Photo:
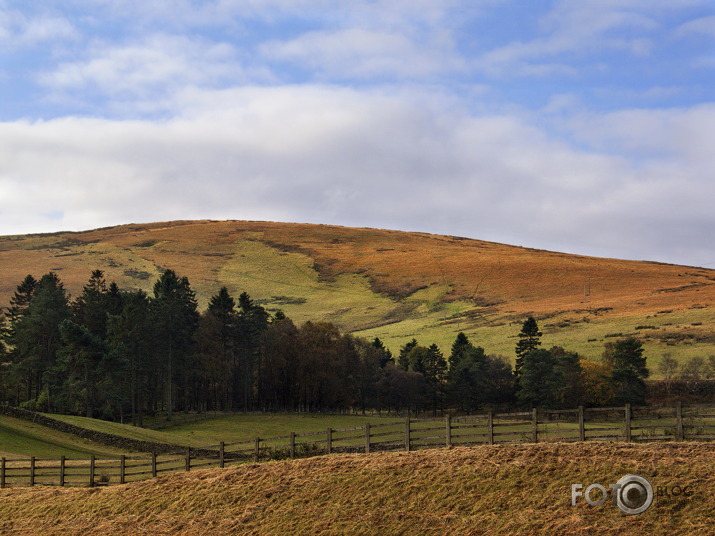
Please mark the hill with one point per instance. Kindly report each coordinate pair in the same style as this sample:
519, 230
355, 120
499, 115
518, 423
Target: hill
391, 284
20, 439
506, 489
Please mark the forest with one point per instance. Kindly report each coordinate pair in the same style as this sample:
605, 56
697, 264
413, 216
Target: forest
120, 355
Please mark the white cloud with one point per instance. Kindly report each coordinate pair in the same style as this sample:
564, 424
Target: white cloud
19, 30
364, 53
701, 26
151, 69
572, 31
333, 155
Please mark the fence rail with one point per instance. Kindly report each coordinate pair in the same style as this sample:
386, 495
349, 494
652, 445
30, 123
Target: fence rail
679, 423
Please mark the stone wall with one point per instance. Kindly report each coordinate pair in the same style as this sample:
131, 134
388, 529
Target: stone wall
103, 438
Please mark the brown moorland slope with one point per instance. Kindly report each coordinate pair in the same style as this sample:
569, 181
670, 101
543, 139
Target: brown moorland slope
385, 283
506, 489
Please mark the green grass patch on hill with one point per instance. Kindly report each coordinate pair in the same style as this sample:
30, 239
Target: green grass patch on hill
230, 428
22, 439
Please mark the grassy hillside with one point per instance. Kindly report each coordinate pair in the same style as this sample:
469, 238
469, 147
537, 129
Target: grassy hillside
230, 428
394, 285
504, 490
21, 439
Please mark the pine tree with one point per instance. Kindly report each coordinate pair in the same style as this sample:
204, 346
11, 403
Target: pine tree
529, 340
20, 301
460, 347
539, 381
567, 365
35, 336
131, 338
629, 372
94, 304
385, 354
174, 310
404, 358
81, 369
467, 383
251, 322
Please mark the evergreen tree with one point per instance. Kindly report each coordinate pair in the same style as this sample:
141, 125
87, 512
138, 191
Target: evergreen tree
80, 373
251, 322
539, 381
384, 353
277, 380
20, 301
175, 315
460, 347
629, 372
467, 382
404, 360
567, 366
35, 337
529, 340
430, 362
216, 349
96, 302
130, 335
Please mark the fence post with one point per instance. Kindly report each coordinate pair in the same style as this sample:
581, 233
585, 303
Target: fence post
257, 450
62, 470
679, 416
628, 422
32, 471
2, 472
490, 426
91, 471
221, 454
329, 440
581, 424
188, 458
448, 430
122, 469
367, 438
407, 434
534, 425
292, 445
153, 464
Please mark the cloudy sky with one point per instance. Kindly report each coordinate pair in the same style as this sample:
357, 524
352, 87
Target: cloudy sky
585, 126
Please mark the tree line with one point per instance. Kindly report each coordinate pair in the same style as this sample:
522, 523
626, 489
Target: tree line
120, 355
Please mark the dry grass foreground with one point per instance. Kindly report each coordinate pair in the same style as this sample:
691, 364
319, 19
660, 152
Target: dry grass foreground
524, 489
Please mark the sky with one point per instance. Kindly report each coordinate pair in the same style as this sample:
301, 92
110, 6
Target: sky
582, 126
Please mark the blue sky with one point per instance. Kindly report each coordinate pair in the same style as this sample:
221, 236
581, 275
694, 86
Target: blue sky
583, 126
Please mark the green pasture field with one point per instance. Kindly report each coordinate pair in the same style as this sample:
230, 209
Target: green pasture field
683, 334
229, 428
19, 438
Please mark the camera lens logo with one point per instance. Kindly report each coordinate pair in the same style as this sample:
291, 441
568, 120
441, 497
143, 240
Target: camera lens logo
633, 494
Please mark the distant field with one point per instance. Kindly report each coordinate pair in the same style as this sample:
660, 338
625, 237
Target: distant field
21, 439
395, 285
231, 428
506, 490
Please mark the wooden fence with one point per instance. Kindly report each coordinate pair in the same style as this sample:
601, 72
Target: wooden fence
679, 423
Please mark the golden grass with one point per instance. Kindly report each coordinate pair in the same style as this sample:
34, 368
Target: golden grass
510, 489
390, 284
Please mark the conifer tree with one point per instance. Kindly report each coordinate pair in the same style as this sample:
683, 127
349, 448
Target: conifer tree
629, 372
460, 347
529, 340
175, 315
35, 336
404, 358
